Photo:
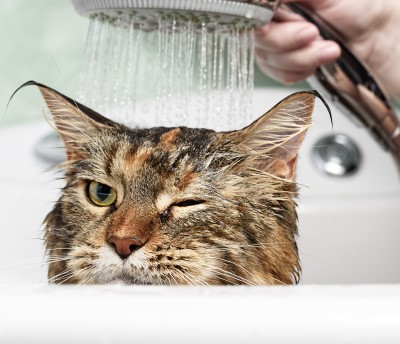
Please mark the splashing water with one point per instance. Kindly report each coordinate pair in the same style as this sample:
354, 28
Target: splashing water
180, 74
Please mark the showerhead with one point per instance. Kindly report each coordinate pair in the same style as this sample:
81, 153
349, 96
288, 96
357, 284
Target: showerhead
148, 13
195, 57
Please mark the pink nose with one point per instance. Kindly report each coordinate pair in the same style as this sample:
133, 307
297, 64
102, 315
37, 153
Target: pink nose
125, 246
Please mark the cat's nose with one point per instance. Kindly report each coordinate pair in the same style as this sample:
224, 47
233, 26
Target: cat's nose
125, 246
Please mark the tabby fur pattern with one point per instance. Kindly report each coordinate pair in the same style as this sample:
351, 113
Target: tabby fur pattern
208, 208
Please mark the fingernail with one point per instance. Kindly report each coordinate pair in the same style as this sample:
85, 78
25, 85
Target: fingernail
328, 52
307, 34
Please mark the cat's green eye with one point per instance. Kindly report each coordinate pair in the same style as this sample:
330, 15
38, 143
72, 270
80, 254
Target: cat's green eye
101, 194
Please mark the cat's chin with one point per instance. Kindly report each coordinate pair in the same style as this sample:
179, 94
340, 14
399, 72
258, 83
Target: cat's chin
126, 280
120, 281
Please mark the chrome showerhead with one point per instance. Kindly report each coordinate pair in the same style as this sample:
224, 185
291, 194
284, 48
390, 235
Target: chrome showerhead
148, 13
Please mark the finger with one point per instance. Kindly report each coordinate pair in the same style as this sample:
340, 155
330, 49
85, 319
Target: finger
310, 57
285, 36
283, 76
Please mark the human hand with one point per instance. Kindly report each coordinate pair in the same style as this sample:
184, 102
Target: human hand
289, 49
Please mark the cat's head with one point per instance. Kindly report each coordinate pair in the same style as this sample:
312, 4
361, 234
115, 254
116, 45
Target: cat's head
176, 205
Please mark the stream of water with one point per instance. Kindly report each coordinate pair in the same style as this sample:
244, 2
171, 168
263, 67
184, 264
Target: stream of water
181, 73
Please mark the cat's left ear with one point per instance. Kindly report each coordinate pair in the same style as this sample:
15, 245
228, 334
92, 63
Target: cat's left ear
75, 122
275, 138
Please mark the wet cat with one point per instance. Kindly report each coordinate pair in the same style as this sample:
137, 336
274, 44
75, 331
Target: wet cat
176, 206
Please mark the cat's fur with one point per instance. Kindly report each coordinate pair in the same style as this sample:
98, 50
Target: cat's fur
211, 208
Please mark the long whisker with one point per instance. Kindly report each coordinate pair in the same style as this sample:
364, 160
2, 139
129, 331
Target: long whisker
73, 274
232, 275
85, 280
240, 267
278, 280
221, 275
174, 280
62, 274
185, 277
196, 279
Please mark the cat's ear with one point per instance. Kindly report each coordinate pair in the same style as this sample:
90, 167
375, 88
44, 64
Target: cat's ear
275, 138
75, 122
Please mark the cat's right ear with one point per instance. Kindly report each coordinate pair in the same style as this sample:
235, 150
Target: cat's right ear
75, 122
275, 138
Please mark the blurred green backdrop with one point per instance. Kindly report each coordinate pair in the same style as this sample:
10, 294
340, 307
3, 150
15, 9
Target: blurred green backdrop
42, 40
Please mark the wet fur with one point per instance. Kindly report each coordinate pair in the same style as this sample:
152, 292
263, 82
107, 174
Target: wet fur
243, 231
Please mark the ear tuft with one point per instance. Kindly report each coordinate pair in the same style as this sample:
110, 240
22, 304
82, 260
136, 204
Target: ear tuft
275, 138
75, 122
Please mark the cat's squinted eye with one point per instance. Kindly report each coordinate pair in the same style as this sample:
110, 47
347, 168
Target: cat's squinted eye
195, 207
187, 203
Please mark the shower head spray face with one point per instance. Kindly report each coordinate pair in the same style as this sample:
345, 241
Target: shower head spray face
148, 13
191, 60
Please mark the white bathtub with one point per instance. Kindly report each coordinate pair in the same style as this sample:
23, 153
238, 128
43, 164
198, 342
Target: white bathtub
285, 315
349, 234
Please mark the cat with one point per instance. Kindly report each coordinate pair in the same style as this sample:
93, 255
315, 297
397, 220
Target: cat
176, 206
